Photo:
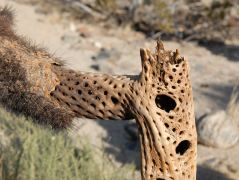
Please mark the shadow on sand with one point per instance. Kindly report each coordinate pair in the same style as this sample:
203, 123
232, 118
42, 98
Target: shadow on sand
219, 93
219, 48
123, 147
206, 173
127, 150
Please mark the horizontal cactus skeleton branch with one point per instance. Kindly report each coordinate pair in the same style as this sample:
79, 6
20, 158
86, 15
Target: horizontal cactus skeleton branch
36, 83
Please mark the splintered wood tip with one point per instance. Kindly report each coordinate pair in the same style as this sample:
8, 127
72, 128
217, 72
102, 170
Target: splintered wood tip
159, 46
176, 55
143, 55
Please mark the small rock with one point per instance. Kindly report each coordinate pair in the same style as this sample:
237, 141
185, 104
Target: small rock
102, 55
217, 130
98, 44
204, 85
95, 67
84, 32
72, 27
69, 38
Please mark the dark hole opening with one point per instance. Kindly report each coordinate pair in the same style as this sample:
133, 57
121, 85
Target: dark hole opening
97, 97
182, 147
165, 102
114, 100
166, 125
79, 92
90, 92
77, 83
93, 105
64, 94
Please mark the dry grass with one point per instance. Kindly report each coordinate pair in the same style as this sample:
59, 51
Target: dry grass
27, 151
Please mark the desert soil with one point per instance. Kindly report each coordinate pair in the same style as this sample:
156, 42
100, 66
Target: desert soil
88, 47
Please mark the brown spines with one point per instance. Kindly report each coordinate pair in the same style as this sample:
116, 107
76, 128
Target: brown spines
26, 78
6, 22
26, 81
39, 108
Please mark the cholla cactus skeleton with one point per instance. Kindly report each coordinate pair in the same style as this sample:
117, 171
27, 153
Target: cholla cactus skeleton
160, 99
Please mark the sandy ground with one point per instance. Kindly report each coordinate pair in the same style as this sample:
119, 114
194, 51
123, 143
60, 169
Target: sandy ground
214, 73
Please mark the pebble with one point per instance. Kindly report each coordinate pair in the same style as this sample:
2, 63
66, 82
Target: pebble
102, 55
217, 130
98, 44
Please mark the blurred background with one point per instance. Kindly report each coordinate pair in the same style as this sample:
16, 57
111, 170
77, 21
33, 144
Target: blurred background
104, 36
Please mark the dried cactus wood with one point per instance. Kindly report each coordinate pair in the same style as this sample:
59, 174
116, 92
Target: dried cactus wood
160, 99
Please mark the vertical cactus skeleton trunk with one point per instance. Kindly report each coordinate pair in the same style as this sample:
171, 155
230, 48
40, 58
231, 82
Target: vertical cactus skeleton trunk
160, 99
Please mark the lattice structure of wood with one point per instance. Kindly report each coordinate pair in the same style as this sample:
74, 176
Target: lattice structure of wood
36, 83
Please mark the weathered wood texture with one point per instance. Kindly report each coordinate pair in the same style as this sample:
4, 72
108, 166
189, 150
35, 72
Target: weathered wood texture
160, 99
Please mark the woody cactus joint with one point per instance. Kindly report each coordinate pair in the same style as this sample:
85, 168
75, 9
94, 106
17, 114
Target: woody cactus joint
37, 84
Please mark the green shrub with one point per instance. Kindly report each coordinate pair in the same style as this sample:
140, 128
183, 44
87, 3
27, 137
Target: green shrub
165, 17
31, 152
109, 5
